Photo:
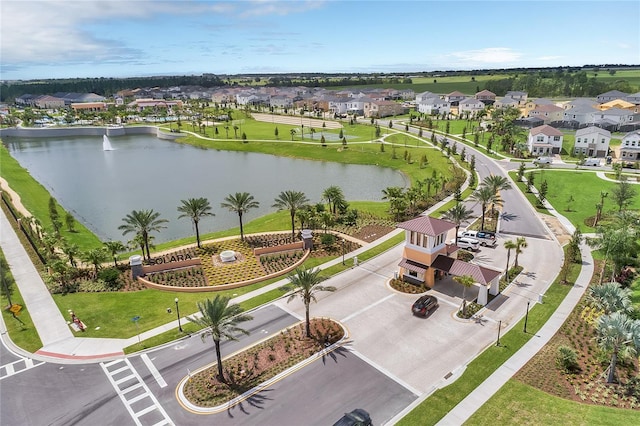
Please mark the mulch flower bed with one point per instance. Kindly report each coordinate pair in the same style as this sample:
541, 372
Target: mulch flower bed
260, 363
586, 383
405, 287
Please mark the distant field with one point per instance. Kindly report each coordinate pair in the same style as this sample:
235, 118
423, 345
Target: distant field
632, 76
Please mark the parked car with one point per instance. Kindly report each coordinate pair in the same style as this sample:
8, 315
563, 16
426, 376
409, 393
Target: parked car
424, 305
486, 238
543, 160
468, 243
357, 417
591, 162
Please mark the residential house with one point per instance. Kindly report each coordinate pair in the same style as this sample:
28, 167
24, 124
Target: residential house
454, 97
521, 97
359, 106
548, 113
634, 98
338, 105
610, 96
420, 97
47, 102
630, 147
433, 105
281, 102
620, 104
532, 104
142, 104
616, 119
386, 109
592, 141
471, 105
544, 140
580, 102
486, 97
506, 102
578, 116
426, 257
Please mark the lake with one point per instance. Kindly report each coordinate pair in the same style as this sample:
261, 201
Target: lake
144, 172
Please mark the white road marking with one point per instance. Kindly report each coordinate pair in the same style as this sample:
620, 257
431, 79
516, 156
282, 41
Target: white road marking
122, 392
386, 373
17, 367
154, 371
366, 308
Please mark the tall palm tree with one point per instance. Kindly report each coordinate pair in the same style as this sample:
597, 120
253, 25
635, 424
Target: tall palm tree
509, 245
467, 281
292, 201
195, 209
620, 335
334, 196
220, 320
497, 183
485, 196
113, 248
458, 214
521, 243
610, 297
72, 251
306, 283
143, 222
240, 203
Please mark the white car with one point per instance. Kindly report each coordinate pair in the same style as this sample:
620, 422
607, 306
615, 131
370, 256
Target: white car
468, 243
591, 162
543, 160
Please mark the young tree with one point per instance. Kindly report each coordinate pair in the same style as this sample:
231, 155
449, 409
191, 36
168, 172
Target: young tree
619, 335
113, 248
509, 245
623, 194
306, 283
70, 221
609, 298
292, 201
467, 281
293, 133
95, 257
195, 209
521, 244
485, 196
220, 321
333, 195
275, 133
240, 203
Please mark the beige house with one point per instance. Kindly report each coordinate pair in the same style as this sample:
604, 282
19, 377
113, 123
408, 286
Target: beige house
427, 257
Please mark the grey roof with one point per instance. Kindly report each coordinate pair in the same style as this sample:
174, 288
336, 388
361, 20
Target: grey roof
616, 111
592, 129
581, 109
615, 93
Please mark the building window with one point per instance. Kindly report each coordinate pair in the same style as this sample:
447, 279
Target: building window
602, 141
540, 139
556, 138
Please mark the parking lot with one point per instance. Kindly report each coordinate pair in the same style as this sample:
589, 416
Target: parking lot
423, 353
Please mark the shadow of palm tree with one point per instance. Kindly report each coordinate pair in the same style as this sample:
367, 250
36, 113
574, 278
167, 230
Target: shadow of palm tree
507, 217
256, 400
342, 351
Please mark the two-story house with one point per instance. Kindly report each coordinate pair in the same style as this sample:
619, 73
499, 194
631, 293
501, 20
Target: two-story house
386, 109
544, 140
471, 105
486, 97
427, 257
521, 97
610, 96
454, 97
630, 146
592, 141
433, 105
548, 113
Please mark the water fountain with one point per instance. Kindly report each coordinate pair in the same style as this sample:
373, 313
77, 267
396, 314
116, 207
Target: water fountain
106, 144
228, 256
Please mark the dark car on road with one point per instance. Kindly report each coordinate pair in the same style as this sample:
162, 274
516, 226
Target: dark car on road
357, 417
424, 305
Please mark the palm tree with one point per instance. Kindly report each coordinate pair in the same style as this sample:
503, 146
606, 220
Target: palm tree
458, 214
508, 245
497, 183
220, 320
240, 203
195, 209
113, 248
334, 197
143, 222
485, 195
95, 257
292, 201
293, 133
521, 243
467, 281
620, 335
306, 283
71, 251
610, 297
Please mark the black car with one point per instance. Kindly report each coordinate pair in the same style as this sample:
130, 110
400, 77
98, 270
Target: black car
422, 306
357, 417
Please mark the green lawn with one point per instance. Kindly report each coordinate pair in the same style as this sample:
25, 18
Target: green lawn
521, 404
584, 187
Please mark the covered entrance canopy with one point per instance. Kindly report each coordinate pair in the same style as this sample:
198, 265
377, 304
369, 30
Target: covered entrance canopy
413, 266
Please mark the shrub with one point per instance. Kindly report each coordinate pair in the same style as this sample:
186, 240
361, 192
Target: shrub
327, 239
567, 359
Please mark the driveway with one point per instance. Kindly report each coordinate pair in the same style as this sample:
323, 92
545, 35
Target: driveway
423, 353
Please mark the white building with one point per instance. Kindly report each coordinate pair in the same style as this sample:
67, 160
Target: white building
592, 142
544, 140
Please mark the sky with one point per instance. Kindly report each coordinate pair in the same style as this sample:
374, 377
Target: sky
130, 38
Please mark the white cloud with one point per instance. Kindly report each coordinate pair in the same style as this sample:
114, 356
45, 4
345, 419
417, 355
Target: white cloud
489, 55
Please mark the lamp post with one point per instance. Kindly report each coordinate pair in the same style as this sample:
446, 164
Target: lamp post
178, 313
343, 251
499, 327
526, 317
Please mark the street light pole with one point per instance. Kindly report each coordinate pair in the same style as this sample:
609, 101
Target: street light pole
499, 327
526, 317
343, 251
178, 313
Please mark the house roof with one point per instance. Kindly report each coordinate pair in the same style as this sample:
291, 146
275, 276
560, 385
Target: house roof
631, 134
545, 130
541, 101
617, 103
592, 129
456, 93
507, 100
427, 225
473, 101
458, 268
615, 112
610, 93
548, 108
485, 92
413, 266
